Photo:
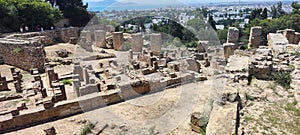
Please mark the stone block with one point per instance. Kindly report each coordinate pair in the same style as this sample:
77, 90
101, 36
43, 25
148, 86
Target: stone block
118, 41
137, 42
156, 43
100, 38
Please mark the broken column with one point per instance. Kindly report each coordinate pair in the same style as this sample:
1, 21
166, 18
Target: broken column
78, 71
255, 37
297, 38
118, 41
17, 85
100, 38
233, 35
156, 43
52, 76
3, 83
137, 42
202, 46
228, 50
86, 41
76, 86
87, 35
289, 34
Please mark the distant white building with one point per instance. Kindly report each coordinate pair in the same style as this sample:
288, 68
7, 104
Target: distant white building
220, 27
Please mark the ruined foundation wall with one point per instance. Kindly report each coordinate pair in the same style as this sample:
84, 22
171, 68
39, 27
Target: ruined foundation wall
23, 55
89, 102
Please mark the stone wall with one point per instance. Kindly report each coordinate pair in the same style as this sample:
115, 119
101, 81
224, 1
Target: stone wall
292, 36
90, 102
49, 37
24, 55
276, 39
26, 50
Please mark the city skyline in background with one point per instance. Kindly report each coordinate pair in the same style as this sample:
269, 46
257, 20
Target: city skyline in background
100, 5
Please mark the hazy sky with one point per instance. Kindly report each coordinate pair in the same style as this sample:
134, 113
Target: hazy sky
172, 1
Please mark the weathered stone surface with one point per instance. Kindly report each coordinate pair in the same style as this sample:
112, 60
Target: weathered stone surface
50, 131
222, 120
156, 43
255, 37
118, 41
62, 53
290, 35
202, 46
22, 54
100, 38
137, 42
276, 40
233, 35
228, 50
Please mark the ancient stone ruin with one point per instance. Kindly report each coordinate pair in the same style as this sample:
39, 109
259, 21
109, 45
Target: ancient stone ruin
233, 35
255, 37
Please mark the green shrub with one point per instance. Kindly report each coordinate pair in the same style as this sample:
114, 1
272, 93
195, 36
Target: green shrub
67, 82
17, 50
87, 128
127, 46
283, 79
292, 107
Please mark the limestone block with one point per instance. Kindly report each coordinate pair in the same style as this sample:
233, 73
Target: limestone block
137, 42
156, 43
118, 41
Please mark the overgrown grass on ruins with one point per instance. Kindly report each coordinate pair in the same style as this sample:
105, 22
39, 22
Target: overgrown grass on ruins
283, 79
292, 107
17, 50
87, 128
67, 82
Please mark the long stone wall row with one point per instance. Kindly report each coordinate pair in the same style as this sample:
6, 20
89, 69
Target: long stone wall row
89, 102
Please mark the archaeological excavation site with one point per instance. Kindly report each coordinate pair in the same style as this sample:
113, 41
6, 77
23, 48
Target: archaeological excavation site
97, 80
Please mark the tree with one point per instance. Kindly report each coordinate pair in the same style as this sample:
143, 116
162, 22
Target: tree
212, 22
264, 14
197, 24
296, 7
256, 13
277, 12
14, 13
222, 34
75, 11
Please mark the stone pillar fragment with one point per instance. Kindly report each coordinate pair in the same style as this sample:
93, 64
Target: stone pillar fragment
289, 34
87, 35
100, 38
3, 83
137, 42
297, 38
17, 85
202, 46
255, 37
118, 41
156, 43
233, 35
76, 86
228, 50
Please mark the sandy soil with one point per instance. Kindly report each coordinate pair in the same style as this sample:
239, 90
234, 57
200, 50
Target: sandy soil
165, 112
